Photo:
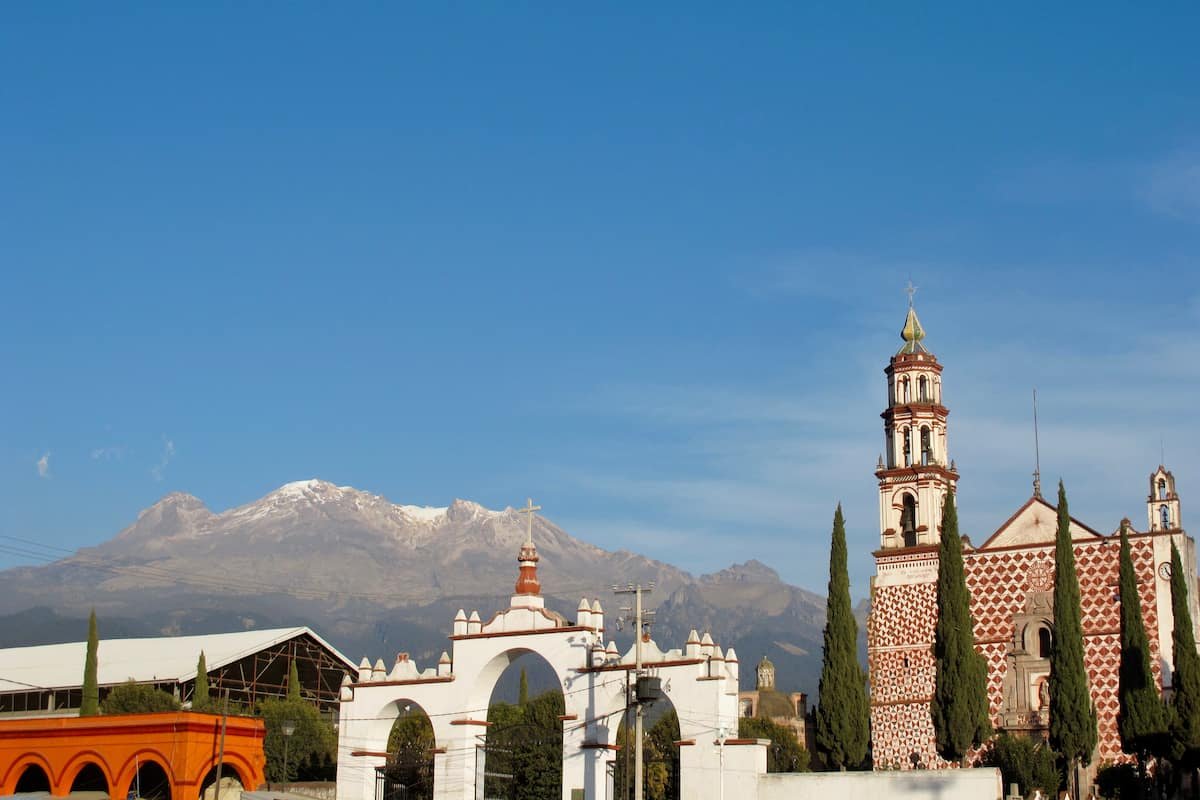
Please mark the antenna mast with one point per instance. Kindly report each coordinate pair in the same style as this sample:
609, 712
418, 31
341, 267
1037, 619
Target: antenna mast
1037, 455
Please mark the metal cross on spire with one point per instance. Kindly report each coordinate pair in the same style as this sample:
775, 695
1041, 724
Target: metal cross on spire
910, 290
529, 509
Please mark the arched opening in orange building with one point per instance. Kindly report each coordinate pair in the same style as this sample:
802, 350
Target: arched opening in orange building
151, 782
33, 779
231, 779
90, 779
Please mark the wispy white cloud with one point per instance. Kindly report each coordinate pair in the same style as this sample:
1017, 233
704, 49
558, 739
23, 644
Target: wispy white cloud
1172, 186
168, 453
43, 465
115, 453
720, 470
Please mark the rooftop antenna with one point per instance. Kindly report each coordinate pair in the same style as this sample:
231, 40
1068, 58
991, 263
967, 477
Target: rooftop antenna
1037, 454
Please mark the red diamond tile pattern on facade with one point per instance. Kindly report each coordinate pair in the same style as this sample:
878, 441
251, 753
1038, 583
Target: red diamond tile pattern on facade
900, 638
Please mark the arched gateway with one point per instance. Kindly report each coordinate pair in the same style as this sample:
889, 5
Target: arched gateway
700, 680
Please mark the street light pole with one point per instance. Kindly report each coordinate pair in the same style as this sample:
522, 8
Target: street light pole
721, 736
288, 728
640, 618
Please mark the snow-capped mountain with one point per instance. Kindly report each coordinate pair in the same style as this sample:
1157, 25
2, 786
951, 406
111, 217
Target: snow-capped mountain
374, 575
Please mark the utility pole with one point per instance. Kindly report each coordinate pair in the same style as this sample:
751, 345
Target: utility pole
722, 735
221, 752
640, 619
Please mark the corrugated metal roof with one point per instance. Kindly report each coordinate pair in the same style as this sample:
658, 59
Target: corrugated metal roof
162, 658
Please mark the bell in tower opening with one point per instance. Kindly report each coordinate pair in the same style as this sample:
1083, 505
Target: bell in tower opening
908, 521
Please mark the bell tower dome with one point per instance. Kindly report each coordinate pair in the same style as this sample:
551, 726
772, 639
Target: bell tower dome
915, 471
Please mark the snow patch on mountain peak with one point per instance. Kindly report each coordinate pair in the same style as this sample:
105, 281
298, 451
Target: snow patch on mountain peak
424, 513
301, 489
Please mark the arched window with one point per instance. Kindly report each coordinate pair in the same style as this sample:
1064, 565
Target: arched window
926, 448
908, 521
1043, 642
904, 389
1162, 489
922, 390
1165, 513
907, 447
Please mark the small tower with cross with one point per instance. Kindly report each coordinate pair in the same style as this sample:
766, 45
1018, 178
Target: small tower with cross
528, 588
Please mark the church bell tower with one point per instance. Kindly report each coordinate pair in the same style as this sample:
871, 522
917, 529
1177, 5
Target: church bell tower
1162, 506
915, 471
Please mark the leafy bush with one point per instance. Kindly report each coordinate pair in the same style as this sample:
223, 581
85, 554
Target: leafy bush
1029, 764
136, 698
785, 753
1119, 781
311, 748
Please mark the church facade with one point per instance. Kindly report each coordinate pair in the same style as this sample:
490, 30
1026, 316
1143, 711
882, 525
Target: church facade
1010, 577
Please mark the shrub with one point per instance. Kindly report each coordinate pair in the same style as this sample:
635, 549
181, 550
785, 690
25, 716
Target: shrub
1029, 764
136, 698
1119, 781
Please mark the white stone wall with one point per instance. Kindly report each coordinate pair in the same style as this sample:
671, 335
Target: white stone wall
959, 784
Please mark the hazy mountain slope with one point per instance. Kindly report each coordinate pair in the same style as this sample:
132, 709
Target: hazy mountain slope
375, 577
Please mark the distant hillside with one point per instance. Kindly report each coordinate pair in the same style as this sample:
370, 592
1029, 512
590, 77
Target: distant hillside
374, 578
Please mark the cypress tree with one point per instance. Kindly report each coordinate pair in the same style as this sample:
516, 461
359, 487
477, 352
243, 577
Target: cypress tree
293, 686
960, 701
1140, 720
1185, 697
523, 689
90, 705
843, 717
1073, 732
200, 693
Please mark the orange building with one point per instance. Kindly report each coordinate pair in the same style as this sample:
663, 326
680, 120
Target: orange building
163, 756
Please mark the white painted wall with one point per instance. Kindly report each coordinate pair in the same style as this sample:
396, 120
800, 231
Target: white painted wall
944, 784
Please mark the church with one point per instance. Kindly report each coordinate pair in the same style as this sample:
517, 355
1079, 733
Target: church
1009, 575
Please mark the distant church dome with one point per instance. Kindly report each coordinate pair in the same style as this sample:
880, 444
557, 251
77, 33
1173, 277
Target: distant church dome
765, 676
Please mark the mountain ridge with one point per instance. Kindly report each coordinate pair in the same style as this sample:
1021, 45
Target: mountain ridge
370, 574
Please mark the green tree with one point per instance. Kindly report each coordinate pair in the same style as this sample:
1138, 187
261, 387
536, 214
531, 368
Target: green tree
1141, 720
523, 689
843, 722
1073, 730
1185, 696
200, 698
90, 705
1031, 765
137, 698
311, 747
526, 743
410, 755
960, 701
785, 753
660, 772
293, 686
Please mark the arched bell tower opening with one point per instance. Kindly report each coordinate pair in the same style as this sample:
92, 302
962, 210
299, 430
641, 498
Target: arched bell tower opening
917, 471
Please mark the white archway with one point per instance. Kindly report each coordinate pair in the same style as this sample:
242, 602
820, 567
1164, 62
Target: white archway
699, 679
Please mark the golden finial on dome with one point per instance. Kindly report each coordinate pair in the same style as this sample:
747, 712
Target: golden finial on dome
912, 333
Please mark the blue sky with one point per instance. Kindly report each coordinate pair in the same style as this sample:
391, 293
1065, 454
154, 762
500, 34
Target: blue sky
643, 265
